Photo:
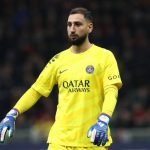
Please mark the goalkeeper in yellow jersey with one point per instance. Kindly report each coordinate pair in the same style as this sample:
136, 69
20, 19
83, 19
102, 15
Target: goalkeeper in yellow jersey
88, 80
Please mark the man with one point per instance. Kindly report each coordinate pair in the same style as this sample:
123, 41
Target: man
88, 80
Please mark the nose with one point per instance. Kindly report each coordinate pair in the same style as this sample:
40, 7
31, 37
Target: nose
72, 29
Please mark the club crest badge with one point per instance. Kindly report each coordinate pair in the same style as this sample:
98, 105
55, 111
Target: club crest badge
90, 69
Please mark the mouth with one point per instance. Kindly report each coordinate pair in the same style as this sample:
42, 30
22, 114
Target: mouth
73, 36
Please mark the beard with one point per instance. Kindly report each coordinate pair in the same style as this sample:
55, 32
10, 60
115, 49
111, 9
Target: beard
77, 40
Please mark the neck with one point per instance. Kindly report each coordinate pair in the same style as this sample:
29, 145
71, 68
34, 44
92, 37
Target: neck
81, 48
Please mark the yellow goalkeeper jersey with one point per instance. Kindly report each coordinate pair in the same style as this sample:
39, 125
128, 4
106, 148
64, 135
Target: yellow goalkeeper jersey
81, 80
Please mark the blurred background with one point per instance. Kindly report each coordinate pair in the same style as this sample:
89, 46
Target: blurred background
33, 31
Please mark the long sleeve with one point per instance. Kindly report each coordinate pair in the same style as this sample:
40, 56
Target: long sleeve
110, 100
29, 98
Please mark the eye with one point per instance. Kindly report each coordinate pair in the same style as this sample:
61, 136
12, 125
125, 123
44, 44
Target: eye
78, 24
69, 24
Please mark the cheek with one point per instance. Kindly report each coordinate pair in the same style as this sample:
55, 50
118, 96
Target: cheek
82, 31
68, 31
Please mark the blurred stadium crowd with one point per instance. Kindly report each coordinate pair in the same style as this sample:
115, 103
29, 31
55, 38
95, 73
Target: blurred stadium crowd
33, 31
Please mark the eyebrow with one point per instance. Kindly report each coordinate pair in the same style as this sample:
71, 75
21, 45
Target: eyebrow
74, 22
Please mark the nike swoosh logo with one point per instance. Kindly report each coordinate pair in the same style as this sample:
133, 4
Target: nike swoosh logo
61, 71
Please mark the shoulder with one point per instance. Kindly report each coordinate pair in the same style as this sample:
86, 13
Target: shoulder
63, 53
103, 52
59, 56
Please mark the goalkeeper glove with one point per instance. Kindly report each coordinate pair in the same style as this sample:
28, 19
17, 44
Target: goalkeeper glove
8, 124
98, 133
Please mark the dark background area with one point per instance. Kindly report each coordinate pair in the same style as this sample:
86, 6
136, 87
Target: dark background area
33, 31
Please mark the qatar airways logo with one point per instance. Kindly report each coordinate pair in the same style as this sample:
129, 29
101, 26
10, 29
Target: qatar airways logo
77, 85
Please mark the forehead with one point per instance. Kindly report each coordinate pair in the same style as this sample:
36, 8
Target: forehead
76, 18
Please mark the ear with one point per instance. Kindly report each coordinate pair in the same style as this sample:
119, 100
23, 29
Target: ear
90, 27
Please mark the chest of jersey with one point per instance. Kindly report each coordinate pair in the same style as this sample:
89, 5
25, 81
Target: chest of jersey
79, 73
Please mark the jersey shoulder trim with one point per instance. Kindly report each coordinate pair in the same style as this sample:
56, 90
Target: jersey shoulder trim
58, 56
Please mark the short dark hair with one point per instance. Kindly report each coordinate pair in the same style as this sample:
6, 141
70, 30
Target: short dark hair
85, 12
